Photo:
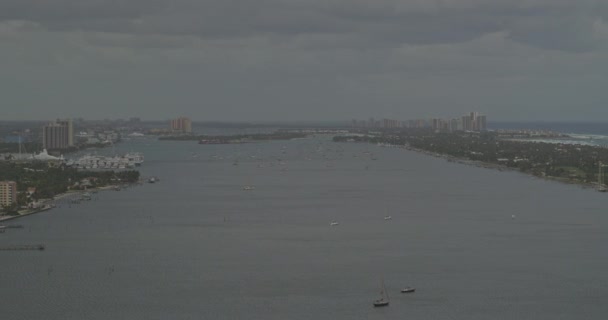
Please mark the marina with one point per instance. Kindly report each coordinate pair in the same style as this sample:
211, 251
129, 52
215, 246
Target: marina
97, 162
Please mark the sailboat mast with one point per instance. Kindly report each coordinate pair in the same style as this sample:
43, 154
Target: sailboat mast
386, 292
599, 175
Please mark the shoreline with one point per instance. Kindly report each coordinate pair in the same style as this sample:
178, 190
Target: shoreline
488, 165
48, 204
499, 167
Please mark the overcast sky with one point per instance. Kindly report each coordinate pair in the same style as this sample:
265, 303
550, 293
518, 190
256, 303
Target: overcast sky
303, 59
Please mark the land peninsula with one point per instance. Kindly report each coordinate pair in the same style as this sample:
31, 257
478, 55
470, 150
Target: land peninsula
571, 163
235, 139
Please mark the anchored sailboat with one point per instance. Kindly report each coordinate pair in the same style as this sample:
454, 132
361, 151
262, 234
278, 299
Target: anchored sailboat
384, 298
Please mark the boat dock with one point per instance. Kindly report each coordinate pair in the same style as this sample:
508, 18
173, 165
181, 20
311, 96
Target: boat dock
23, 247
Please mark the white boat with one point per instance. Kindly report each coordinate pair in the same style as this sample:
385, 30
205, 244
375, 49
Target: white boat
248, 188
408, 290
334, 223
388, 218
44, 156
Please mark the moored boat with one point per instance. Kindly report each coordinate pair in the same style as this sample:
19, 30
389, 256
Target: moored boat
408, 290
384, 298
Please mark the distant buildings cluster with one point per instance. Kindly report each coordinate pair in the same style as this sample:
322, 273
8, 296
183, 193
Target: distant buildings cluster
93, 137
62, 134
470, 122
183, 125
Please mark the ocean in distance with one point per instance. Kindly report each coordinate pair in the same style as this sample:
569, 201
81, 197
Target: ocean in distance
585, 133
476, 243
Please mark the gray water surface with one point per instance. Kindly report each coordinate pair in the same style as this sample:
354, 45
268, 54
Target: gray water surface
196, 246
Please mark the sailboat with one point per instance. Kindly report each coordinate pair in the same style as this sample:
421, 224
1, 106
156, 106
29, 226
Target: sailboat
600, 179
384, 299
387, 216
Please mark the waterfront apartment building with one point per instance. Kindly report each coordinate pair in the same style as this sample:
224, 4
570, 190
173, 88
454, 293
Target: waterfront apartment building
390, 123
482, 123
474, 122
8, 193
70, 128
58, 135
182, 124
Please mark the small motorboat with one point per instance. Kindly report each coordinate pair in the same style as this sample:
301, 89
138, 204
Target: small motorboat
334, 223
408, 290
388, 218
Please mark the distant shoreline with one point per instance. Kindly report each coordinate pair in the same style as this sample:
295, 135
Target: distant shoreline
499, 167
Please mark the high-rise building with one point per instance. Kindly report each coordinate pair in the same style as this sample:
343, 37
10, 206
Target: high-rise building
70, 128
8, 193
182, 124
467, 124
390, 123
435, 124
454, 125
477, 121
481, 123
58, 135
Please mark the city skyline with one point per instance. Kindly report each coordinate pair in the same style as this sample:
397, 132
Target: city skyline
472, 121
294, 60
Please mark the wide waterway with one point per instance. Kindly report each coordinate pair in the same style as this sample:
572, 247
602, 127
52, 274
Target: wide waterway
476, 243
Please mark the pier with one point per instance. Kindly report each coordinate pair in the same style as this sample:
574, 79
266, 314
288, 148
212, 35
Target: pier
39, 247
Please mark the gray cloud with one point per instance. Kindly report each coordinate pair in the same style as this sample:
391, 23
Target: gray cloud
545, 23
302, 58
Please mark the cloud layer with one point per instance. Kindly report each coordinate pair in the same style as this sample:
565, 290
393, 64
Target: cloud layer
304, 59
